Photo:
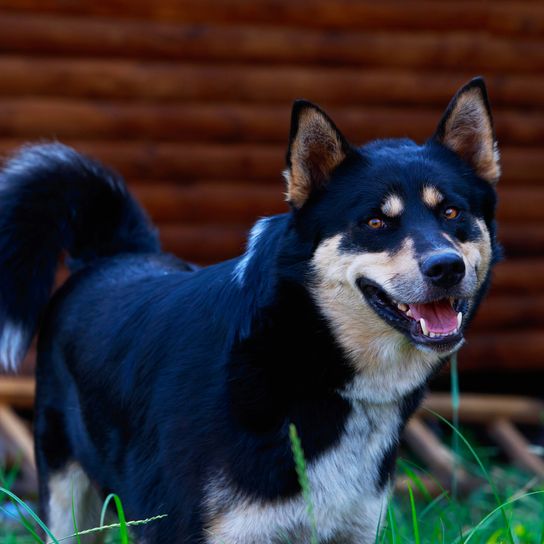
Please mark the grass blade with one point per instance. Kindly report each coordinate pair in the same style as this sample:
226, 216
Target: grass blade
300, 467
483, 522
31, 512
392, 524
74, 520
455, 421
415, 522
123, 530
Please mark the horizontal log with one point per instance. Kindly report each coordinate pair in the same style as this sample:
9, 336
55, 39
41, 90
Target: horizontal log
75, 36
519, 276
484, 408
204, 203
204, 244
36, 117
242, 162
173, 81
345, 14
17, 391
182, 161
510, 312
522, 240
526, 18
503, 350
520, 205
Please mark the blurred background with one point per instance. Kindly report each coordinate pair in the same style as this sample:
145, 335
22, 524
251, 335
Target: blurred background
190, 100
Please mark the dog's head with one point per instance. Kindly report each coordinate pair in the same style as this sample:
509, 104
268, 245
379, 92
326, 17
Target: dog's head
403, 235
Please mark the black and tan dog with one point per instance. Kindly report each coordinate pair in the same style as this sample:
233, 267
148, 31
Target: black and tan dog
175, 387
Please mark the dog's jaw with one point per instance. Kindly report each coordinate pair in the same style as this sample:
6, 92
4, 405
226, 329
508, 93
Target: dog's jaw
388, 365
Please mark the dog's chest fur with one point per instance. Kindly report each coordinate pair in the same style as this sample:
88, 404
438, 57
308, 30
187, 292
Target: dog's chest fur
347, 495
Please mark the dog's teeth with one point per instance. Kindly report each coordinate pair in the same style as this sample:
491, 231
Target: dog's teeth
409, 313
402, 307
432, 335
452, 301
424, 327
459, 319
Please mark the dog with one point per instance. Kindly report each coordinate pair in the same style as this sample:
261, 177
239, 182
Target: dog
175, 387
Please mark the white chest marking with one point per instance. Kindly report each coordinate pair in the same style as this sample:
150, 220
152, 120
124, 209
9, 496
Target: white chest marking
346, 500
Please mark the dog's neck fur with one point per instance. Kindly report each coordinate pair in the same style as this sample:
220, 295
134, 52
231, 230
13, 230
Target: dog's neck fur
289, 364
373, 371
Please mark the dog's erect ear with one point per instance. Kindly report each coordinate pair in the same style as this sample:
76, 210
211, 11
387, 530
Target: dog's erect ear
467, 129
316, 148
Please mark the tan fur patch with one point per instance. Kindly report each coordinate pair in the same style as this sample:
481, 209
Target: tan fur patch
315, 152
393, 206
478, 254
390, 363
431, 196
468, 132
67, 485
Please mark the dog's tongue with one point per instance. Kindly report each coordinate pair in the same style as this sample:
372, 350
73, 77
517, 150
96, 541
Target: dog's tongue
439, 316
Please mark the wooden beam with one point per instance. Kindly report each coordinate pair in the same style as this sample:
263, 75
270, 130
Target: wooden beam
174, 81
437, 457
342, 15
510, 312
485, 408
17, 391
83, 119
19, 441
519, 276
205, 41
508, 17
516, 446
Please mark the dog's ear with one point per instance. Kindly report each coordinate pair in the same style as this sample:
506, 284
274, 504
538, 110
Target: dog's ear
467, 129
316, 148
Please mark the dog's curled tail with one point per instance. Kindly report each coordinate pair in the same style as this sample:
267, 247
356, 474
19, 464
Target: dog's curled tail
52, 199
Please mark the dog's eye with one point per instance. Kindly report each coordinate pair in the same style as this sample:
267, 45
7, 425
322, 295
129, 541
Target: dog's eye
376, 223
451, 213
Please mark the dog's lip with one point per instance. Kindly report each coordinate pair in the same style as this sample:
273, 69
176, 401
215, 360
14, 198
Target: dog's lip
388, 309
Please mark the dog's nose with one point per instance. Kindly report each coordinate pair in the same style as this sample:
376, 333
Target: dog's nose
444, 269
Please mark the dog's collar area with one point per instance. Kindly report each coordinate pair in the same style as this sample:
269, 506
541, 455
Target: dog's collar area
437, 324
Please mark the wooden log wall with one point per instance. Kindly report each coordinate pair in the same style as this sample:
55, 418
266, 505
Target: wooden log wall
190, 100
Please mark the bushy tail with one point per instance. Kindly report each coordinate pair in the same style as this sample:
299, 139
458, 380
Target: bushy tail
53, 199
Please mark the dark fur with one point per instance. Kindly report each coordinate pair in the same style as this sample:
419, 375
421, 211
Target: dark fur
152, 374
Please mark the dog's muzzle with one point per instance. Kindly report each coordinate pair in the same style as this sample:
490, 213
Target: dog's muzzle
435, 323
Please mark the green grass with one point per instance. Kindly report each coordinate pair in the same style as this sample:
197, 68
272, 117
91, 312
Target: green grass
23, 526
508, 507
476, 519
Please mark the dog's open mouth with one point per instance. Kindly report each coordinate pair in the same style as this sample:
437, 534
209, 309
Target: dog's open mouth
437, 324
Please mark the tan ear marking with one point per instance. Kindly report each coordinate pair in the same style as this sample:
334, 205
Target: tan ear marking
467, 129
315, 151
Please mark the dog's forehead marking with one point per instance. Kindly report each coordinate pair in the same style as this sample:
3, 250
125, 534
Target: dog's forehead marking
431, 196
393, 205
